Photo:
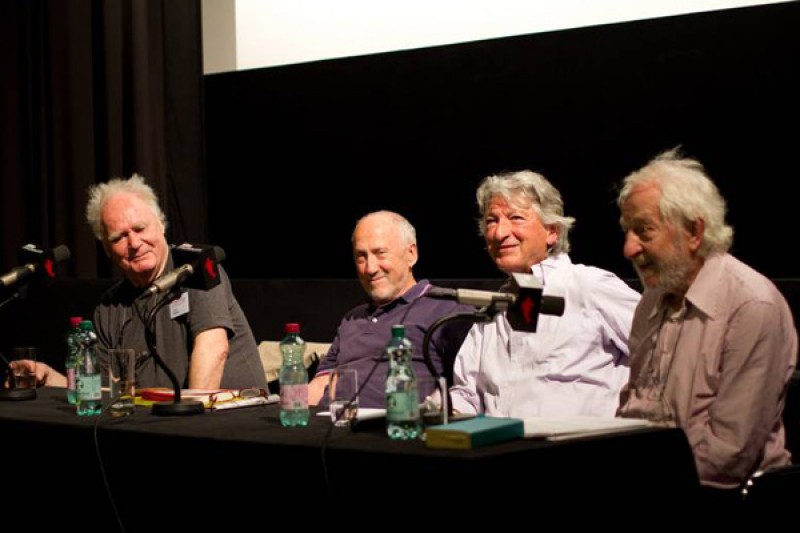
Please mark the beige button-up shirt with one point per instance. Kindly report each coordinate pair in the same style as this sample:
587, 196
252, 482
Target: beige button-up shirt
718, 368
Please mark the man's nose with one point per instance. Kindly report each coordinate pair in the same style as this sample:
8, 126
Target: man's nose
371, 264
134, 241
632, 246
502, 228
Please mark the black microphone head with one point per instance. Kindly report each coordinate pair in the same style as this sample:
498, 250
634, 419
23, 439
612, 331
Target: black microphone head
30, 253
530, 303
205, 264
524, 314
521, 281
44, 258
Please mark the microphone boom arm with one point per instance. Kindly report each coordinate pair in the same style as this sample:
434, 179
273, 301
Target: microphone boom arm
481, 315
177, 406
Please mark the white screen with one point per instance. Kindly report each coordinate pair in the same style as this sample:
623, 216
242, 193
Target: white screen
279, 32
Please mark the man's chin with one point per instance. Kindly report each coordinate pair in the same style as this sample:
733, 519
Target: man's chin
648, 279
507, 265
651, 282
140, 278
379, 296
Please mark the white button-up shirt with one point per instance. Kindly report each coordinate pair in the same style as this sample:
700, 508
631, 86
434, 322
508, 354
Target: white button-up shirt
574, 364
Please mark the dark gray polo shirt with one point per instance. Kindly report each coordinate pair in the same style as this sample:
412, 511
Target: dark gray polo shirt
119, 322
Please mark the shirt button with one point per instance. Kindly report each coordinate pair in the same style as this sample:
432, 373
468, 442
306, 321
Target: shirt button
374, 320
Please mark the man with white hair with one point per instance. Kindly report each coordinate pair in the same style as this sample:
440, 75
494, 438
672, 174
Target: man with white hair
713, 343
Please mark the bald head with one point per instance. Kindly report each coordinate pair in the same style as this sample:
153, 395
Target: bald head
384, 251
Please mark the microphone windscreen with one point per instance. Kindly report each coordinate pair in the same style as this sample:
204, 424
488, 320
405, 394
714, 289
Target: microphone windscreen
219, 254
61, 253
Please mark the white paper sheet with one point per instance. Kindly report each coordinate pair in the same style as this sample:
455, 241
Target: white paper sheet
561, 428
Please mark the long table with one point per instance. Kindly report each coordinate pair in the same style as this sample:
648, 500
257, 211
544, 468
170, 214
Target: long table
241, 467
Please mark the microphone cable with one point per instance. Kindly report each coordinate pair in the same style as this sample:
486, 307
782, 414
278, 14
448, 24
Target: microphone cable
103, 474
381, 358
150, 337
149, 322
338, 415
479, 315
10, 372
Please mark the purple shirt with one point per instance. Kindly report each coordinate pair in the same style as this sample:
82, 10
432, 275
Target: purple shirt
365, 331
718, 367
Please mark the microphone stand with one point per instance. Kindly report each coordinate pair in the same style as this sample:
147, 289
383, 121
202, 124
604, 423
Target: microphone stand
178, 406
19, 294
481, 315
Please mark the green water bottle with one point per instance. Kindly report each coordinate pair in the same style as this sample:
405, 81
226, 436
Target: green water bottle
87, 373
402, 394
293, 379
72, 357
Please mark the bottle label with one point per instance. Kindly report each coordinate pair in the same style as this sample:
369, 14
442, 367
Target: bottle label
294, 396
402, 406
71, 379
88, 387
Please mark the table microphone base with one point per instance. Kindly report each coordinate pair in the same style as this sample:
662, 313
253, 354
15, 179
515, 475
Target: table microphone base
182, 408
17, 395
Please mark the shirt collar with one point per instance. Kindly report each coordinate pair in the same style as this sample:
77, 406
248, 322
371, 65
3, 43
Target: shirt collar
417, 290
548, 265
704, 290
542, 269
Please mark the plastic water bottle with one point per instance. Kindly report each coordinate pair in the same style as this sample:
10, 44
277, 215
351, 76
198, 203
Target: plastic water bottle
87, 372
402, 394
293, 379
72, 357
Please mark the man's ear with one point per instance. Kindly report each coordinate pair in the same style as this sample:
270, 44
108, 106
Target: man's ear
413, 256
552, 236
696, 230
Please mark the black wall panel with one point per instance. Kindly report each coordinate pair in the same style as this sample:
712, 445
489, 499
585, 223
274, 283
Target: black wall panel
415, 131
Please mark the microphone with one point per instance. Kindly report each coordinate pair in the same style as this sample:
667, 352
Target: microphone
35, 260
524, 303
474, 297
198, 269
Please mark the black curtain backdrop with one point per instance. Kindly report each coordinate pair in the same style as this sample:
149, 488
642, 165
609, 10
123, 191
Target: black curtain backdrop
415, 131
98, 88
93, 89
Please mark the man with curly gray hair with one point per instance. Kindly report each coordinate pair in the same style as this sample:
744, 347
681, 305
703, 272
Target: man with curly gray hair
713, 343
574, 364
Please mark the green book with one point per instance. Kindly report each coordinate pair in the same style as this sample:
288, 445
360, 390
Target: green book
474, 433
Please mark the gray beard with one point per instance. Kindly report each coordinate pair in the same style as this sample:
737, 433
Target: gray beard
672, 275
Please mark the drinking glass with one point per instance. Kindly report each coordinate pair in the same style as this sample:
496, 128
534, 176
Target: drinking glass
122, 380
343, 396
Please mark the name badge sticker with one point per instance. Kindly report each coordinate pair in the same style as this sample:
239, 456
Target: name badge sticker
180, 306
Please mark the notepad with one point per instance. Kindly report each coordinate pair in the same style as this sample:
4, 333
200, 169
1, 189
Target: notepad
560, 428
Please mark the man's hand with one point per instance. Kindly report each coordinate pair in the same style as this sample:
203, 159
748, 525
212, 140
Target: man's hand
316, 388
45, 375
